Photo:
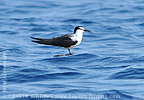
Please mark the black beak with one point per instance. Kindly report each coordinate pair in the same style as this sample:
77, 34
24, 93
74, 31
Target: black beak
87, 30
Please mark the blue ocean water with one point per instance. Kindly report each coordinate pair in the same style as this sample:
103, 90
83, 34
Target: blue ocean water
108, 62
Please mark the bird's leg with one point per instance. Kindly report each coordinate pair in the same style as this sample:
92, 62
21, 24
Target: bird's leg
64, 55
69, 52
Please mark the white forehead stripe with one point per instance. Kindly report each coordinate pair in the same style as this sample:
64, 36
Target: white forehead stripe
81, 28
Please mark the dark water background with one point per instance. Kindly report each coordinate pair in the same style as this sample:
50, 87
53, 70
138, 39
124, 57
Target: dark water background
109, 61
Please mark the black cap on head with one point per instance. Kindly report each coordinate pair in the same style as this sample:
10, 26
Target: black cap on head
80, 27
76, 28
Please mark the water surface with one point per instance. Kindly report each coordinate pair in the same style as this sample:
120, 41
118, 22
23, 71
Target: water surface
109, 61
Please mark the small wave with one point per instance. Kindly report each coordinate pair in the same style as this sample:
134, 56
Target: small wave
84, 55
106, 9
71, 91
141, 24
33, 75
109, 59
17, 12
114, 28
133, 19
105, 68
8, 32
130, 73
30, 19
39, 29
123, 11
32, 70
69, 59
113, 39
120, 95
33, 7
87, 22
79, 20
133, 60
67, 69
73, 20
138, 8
14, 51
1, 67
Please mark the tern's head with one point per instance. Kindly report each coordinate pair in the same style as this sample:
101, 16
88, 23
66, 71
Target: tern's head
80, 29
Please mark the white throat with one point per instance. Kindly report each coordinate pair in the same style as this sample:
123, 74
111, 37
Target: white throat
78, 36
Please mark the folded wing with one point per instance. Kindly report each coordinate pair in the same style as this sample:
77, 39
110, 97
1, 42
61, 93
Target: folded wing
63, 41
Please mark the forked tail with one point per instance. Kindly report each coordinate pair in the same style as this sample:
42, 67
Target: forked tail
41, 41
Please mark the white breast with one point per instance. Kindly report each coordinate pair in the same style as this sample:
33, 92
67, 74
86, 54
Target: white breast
77, 37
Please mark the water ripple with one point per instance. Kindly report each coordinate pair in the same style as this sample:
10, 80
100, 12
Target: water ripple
130, 73
8, 32
24, 76
108, 61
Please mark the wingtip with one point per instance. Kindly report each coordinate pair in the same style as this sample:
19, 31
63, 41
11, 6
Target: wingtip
36, 38
32, 37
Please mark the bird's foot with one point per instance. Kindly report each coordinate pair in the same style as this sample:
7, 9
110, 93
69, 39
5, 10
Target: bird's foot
59, 55
68, 54
63, 55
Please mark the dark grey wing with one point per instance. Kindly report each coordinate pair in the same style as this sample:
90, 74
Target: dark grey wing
63, 41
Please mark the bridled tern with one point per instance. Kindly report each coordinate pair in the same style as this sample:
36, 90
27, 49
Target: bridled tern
66, 41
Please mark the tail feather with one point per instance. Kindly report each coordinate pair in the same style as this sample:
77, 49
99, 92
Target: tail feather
41, 41
38, 42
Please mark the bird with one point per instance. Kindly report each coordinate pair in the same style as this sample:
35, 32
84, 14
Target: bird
67, 41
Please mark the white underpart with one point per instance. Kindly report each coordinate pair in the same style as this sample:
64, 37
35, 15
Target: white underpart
77, 36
